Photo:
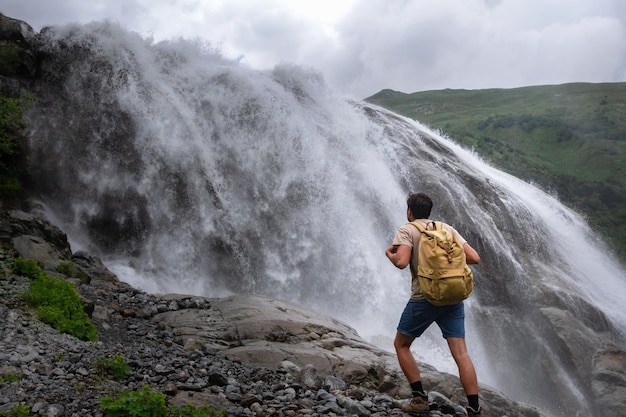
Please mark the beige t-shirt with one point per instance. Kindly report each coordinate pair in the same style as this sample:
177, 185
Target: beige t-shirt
409, 235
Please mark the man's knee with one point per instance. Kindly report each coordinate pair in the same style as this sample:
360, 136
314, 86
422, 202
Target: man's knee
457, 346
462, 358
402, 342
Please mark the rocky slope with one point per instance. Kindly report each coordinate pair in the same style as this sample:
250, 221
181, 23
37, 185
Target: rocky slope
249, 355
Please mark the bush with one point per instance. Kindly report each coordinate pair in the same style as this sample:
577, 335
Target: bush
9, 378
69, 269
66, 268
18, 411
149, 403
27, 267
56, 301
143, 403
114, 365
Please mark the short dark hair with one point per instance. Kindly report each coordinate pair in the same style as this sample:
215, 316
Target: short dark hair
420, 205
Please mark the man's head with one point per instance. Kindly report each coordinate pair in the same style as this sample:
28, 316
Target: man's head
420, 205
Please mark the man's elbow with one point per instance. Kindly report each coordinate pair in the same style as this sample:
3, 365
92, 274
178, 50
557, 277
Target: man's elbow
473, 260
471, 256
401, 264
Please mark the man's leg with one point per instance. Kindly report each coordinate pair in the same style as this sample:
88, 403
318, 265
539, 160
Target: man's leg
467, 373
419, 402
402, 344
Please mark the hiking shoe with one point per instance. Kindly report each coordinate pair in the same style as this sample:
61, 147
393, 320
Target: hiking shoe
417, 405
475, 413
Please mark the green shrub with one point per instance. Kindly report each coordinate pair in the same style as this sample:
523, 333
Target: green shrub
69, 269
18, 411
27, 267
114, 365
56, 301
9, 378
66, 268
143, 403
149, 403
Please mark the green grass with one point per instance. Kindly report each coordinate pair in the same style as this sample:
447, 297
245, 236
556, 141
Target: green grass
55, 300
149, 403
115, 366
70, 270
9, 378
17, 411
569, 139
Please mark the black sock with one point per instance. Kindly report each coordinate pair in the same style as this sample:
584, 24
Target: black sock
473, 402
417, 389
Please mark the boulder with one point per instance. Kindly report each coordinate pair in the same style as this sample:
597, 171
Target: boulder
265, 332
17, 57
609, 381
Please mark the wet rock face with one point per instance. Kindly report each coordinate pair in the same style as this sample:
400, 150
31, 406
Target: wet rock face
17, 57
250, 355
609, 380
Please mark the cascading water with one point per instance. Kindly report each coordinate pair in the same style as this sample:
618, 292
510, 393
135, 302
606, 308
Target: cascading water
186, 172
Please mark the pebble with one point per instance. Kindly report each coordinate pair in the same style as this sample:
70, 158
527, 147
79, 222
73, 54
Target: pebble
57, 375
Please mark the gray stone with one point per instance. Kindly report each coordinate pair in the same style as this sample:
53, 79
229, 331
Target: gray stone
17, 57
609, 381
332, 383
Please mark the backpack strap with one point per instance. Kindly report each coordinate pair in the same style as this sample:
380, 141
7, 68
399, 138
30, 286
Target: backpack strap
449, 243
418, 226
436, 226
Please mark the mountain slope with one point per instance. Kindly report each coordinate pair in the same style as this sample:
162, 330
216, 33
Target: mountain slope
569, 139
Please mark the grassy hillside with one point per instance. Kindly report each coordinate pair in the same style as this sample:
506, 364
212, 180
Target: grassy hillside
569, 139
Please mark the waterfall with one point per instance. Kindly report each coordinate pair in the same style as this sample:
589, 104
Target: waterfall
186, 172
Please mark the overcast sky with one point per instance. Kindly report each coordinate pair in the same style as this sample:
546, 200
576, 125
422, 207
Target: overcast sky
363, 46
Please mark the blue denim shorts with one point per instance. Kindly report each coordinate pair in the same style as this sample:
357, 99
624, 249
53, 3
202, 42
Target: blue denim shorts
418, 315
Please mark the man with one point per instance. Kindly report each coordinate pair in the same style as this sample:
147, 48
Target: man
419, 314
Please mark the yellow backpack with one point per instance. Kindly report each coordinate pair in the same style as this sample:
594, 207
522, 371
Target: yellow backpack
442, 270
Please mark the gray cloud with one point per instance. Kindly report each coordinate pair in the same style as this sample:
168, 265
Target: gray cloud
404, 45
414, 46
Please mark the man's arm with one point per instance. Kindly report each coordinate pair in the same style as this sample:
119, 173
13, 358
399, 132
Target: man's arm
399, 255
471, 256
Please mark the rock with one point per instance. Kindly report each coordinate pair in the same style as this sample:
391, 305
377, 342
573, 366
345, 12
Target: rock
33, 247
332, 383
17, 57
609, 381
35, 238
